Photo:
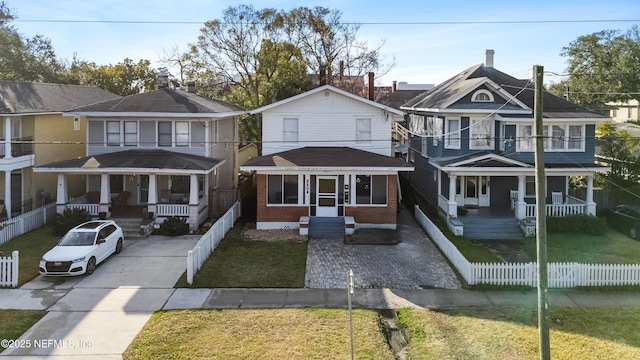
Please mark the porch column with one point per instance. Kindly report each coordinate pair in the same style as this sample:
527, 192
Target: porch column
7, 138
452, 204
153, 190
591, 206
193, 190
61, 196
521, 208
7, 192
105, 194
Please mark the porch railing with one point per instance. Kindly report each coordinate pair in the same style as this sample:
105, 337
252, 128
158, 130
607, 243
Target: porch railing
558, 209
19, 147
81, 203
443, 204
172, 210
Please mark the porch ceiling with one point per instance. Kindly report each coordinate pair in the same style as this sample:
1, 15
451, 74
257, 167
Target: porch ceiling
135, 160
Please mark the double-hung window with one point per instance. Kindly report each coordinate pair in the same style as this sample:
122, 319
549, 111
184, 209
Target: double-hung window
164, 133
290, 130
130, 133
558, 137
453, 134
113, 133
481, 133
182, 133
363, 131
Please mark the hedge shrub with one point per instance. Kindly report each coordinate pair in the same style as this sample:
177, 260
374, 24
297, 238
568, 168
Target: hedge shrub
174, 226
580, 224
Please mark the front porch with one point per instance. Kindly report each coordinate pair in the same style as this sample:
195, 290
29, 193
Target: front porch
161, 196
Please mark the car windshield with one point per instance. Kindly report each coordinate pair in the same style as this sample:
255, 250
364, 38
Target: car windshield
78, 239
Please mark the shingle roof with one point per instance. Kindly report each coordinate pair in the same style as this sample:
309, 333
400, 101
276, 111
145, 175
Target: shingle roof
138, 158
321, 156
165, 100
17, 97
474, 76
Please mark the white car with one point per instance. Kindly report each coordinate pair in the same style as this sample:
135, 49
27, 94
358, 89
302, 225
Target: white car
82, 248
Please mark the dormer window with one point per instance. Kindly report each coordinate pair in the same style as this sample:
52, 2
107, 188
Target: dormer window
482, 96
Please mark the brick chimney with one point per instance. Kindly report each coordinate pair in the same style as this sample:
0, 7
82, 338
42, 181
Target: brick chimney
488, 58
371, 87
323, 75
163, 78
394, 86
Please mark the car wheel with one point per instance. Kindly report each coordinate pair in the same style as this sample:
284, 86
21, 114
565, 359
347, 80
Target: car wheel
119, 246
91, 266
633, 233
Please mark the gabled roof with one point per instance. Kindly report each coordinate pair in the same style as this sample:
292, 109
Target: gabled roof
449, 91
162, 102
18, 97
398, 98
314, 157
481, 159
327, 88
157, 160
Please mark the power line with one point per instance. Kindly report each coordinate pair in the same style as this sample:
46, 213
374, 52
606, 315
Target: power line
394, 23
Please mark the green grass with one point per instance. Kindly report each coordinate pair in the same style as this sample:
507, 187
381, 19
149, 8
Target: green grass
259, 334
238, 262
31, 246
15, 322
610, 248
511, 333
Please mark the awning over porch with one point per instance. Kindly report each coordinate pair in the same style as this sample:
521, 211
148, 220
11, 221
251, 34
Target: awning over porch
134, 161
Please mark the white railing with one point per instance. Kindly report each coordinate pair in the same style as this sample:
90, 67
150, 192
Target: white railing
558, 209
9, 270
172, 210
26, 222
443, 204
210, 240
400, 130
93, 209
560, 275
574, 200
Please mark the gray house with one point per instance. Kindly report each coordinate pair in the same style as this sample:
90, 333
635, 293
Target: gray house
472, 146
170, 151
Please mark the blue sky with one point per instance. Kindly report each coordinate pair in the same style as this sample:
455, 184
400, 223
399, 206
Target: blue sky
428, 53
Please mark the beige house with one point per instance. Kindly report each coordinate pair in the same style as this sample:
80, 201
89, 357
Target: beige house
34, 132
625, 111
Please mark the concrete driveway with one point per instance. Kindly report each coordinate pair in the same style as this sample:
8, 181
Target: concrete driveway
102, 313
414, 263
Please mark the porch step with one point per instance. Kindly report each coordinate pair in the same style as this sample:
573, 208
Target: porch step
326, 227
483, 228
130, 228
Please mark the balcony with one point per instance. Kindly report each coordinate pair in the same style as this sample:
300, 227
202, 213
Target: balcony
19, 147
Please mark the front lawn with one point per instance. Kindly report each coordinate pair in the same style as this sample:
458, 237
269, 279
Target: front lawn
240, 262
259, 334
469, 333
31, 246
511, 333
15, 322
610, 248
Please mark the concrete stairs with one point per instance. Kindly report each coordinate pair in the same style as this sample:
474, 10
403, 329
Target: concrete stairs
491, 228
130, 228
326, 227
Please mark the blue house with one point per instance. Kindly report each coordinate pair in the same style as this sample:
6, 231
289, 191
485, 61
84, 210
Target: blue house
472, 145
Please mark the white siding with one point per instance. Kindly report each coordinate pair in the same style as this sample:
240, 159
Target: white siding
326, 121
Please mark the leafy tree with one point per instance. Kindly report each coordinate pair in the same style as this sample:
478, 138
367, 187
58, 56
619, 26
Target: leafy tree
256, 57
603, 66
622, 152
26, 59
124, 78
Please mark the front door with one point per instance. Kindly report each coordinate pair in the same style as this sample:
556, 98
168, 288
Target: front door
471, 190
327, 196
144, 189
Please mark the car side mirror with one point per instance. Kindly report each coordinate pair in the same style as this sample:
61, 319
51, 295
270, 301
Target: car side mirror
100, 241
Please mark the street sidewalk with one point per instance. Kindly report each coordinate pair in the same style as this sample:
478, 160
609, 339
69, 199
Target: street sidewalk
335, 298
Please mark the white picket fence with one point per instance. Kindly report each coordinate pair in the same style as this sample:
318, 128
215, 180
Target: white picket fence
560, 275
9, 270
210, 240
26, 222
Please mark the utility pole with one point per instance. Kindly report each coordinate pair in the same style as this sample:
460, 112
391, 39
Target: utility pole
541, 220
